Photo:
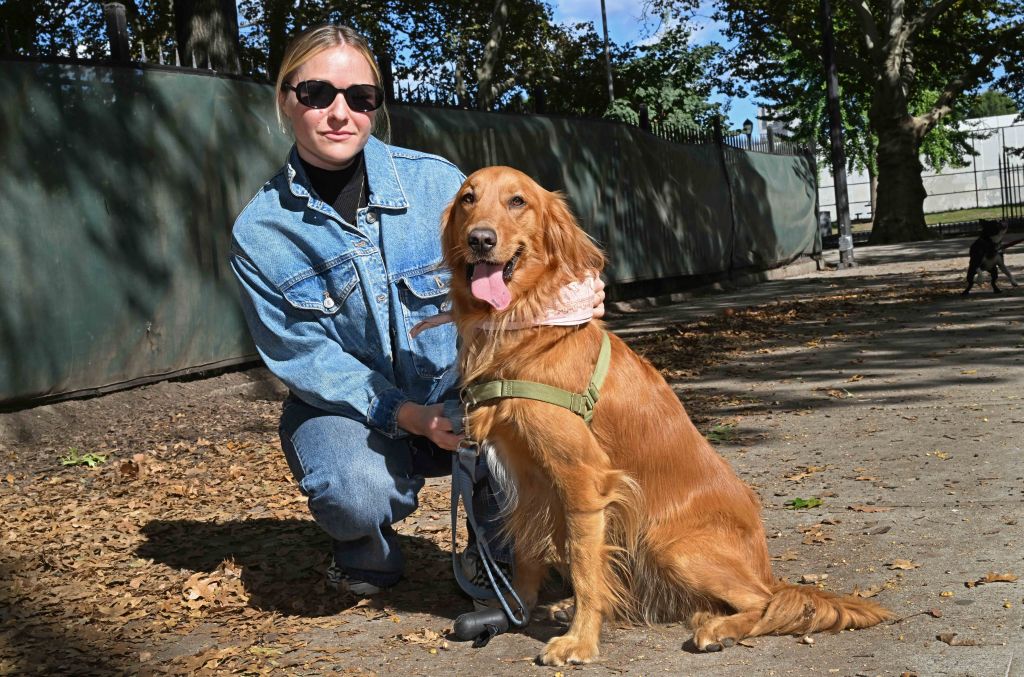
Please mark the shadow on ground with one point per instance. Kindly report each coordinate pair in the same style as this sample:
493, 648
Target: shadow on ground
283, 560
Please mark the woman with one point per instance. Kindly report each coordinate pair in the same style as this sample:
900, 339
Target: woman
339, 257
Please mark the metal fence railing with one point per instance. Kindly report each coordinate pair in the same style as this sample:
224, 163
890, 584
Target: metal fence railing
1011, 181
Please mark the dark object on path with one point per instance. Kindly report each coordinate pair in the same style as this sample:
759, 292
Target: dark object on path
987, 254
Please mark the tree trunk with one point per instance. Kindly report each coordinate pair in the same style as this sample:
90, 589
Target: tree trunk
489, 62
276, 25
873, 192
899, 213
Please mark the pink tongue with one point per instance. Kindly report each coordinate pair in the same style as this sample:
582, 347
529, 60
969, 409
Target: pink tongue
488, 285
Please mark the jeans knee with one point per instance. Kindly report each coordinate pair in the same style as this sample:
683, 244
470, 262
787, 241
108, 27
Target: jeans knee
347, 503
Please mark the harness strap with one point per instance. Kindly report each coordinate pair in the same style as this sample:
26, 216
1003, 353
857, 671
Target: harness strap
581, 404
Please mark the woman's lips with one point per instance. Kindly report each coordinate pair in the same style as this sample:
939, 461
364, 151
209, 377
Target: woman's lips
338, 136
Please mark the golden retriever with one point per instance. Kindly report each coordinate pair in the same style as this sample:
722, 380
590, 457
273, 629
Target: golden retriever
650, 523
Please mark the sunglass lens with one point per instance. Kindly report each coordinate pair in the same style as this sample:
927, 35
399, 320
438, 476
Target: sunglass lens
316, 94
363, 98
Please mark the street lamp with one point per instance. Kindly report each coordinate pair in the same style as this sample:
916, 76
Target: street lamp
748, 129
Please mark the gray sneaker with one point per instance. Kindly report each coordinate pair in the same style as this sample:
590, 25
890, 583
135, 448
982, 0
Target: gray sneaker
337, 579
473, 569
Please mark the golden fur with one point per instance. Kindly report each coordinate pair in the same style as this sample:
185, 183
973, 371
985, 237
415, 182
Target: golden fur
649, 521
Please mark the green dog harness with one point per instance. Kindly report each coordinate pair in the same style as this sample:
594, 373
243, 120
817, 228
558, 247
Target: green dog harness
581, 404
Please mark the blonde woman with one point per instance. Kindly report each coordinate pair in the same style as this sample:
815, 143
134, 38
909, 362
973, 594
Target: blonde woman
338, 256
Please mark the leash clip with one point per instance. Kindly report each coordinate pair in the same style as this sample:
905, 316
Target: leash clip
468, 446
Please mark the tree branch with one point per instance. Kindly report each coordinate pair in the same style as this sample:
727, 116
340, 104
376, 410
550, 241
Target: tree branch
489, 62
927, 16
970, 76
868, 26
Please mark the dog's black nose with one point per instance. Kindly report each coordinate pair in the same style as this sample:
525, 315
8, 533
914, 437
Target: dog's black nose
482, 240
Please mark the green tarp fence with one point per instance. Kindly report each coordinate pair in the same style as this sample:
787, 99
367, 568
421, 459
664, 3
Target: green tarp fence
118, 188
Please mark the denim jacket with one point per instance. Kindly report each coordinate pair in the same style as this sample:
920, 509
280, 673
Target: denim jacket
330, 304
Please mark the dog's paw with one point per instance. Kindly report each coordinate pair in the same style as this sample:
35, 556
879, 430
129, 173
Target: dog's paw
707, 638
567, 649
563, 611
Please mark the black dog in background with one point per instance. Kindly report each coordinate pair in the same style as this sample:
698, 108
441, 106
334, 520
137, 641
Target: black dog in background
987, 254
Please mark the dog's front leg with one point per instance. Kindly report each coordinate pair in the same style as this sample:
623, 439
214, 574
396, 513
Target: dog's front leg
586, 488
1006, 271
587, 571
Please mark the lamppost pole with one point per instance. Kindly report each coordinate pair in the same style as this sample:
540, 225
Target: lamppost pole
607, 54
748, 129
835, 134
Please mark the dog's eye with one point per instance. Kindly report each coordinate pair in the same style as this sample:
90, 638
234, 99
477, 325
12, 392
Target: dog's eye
516, 201
468, 199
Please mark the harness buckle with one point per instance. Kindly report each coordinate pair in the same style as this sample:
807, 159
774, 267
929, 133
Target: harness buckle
468, 445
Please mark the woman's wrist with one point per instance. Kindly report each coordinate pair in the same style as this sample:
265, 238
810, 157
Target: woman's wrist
407, 418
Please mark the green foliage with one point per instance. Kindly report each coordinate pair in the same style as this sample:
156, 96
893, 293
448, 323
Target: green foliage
777, 58
991, 102
803, 503
438, 47
672, 77
722, 433
91, 460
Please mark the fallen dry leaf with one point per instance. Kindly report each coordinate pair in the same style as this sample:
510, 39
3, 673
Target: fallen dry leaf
788, 556
903, 564
952, 639
992, 577
868, 592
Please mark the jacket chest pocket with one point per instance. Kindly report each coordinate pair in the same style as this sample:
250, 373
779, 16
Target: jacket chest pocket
332, 296
423, 296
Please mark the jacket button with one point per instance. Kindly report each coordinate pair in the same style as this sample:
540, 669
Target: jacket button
371, 217
328, 302
381, 298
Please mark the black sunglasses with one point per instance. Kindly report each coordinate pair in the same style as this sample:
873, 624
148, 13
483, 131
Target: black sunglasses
320, 94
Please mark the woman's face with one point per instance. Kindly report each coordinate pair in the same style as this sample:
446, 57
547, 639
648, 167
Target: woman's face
329, 138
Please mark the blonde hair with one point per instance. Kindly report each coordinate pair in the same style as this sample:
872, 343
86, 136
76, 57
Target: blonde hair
315, 40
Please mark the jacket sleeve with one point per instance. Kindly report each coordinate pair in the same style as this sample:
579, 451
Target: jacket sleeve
297, 349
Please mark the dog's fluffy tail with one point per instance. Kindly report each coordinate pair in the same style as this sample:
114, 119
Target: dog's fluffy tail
802, 609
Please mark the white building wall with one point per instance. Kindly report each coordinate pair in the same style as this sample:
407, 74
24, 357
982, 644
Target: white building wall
976, 185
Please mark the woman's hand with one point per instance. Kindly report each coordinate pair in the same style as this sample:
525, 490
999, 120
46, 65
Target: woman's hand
430, 422
598, 297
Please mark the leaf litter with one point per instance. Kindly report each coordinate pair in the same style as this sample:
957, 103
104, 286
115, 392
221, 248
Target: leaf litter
179, 542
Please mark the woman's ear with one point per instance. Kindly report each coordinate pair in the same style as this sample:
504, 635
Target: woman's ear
569, 247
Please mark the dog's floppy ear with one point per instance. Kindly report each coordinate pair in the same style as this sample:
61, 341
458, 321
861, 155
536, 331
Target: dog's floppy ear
449, 236
568, 246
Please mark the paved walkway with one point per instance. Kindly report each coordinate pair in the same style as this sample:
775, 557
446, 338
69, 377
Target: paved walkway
878, 390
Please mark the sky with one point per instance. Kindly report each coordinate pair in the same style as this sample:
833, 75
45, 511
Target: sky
624, 25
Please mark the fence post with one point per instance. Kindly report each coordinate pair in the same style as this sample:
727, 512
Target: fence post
716, 130
540, 100
771, 139
387, 77
645, 120
117, 31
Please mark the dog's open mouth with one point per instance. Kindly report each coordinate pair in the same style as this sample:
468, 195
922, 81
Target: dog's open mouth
489, 281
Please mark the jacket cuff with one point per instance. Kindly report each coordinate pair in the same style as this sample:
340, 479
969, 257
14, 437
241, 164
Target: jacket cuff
383, 412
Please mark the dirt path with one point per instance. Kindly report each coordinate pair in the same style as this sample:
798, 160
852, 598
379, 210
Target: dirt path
878, 391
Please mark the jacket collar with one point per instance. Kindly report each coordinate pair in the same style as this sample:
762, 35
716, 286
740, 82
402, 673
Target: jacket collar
385, 188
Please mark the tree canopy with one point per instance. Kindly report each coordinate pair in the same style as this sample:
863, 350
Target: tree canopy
907, 72
991, 102
502, 54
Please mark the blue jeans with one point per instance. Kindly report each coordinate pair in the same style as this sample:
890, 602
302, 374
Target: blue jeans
360, 482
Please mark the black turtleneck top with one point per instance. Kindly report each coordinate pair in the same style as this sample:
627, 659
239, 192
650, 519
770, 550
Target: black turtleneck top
344, 189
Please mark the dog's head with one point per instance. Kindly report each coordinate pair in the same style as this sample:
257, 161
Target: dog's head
511, 245
994, 230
